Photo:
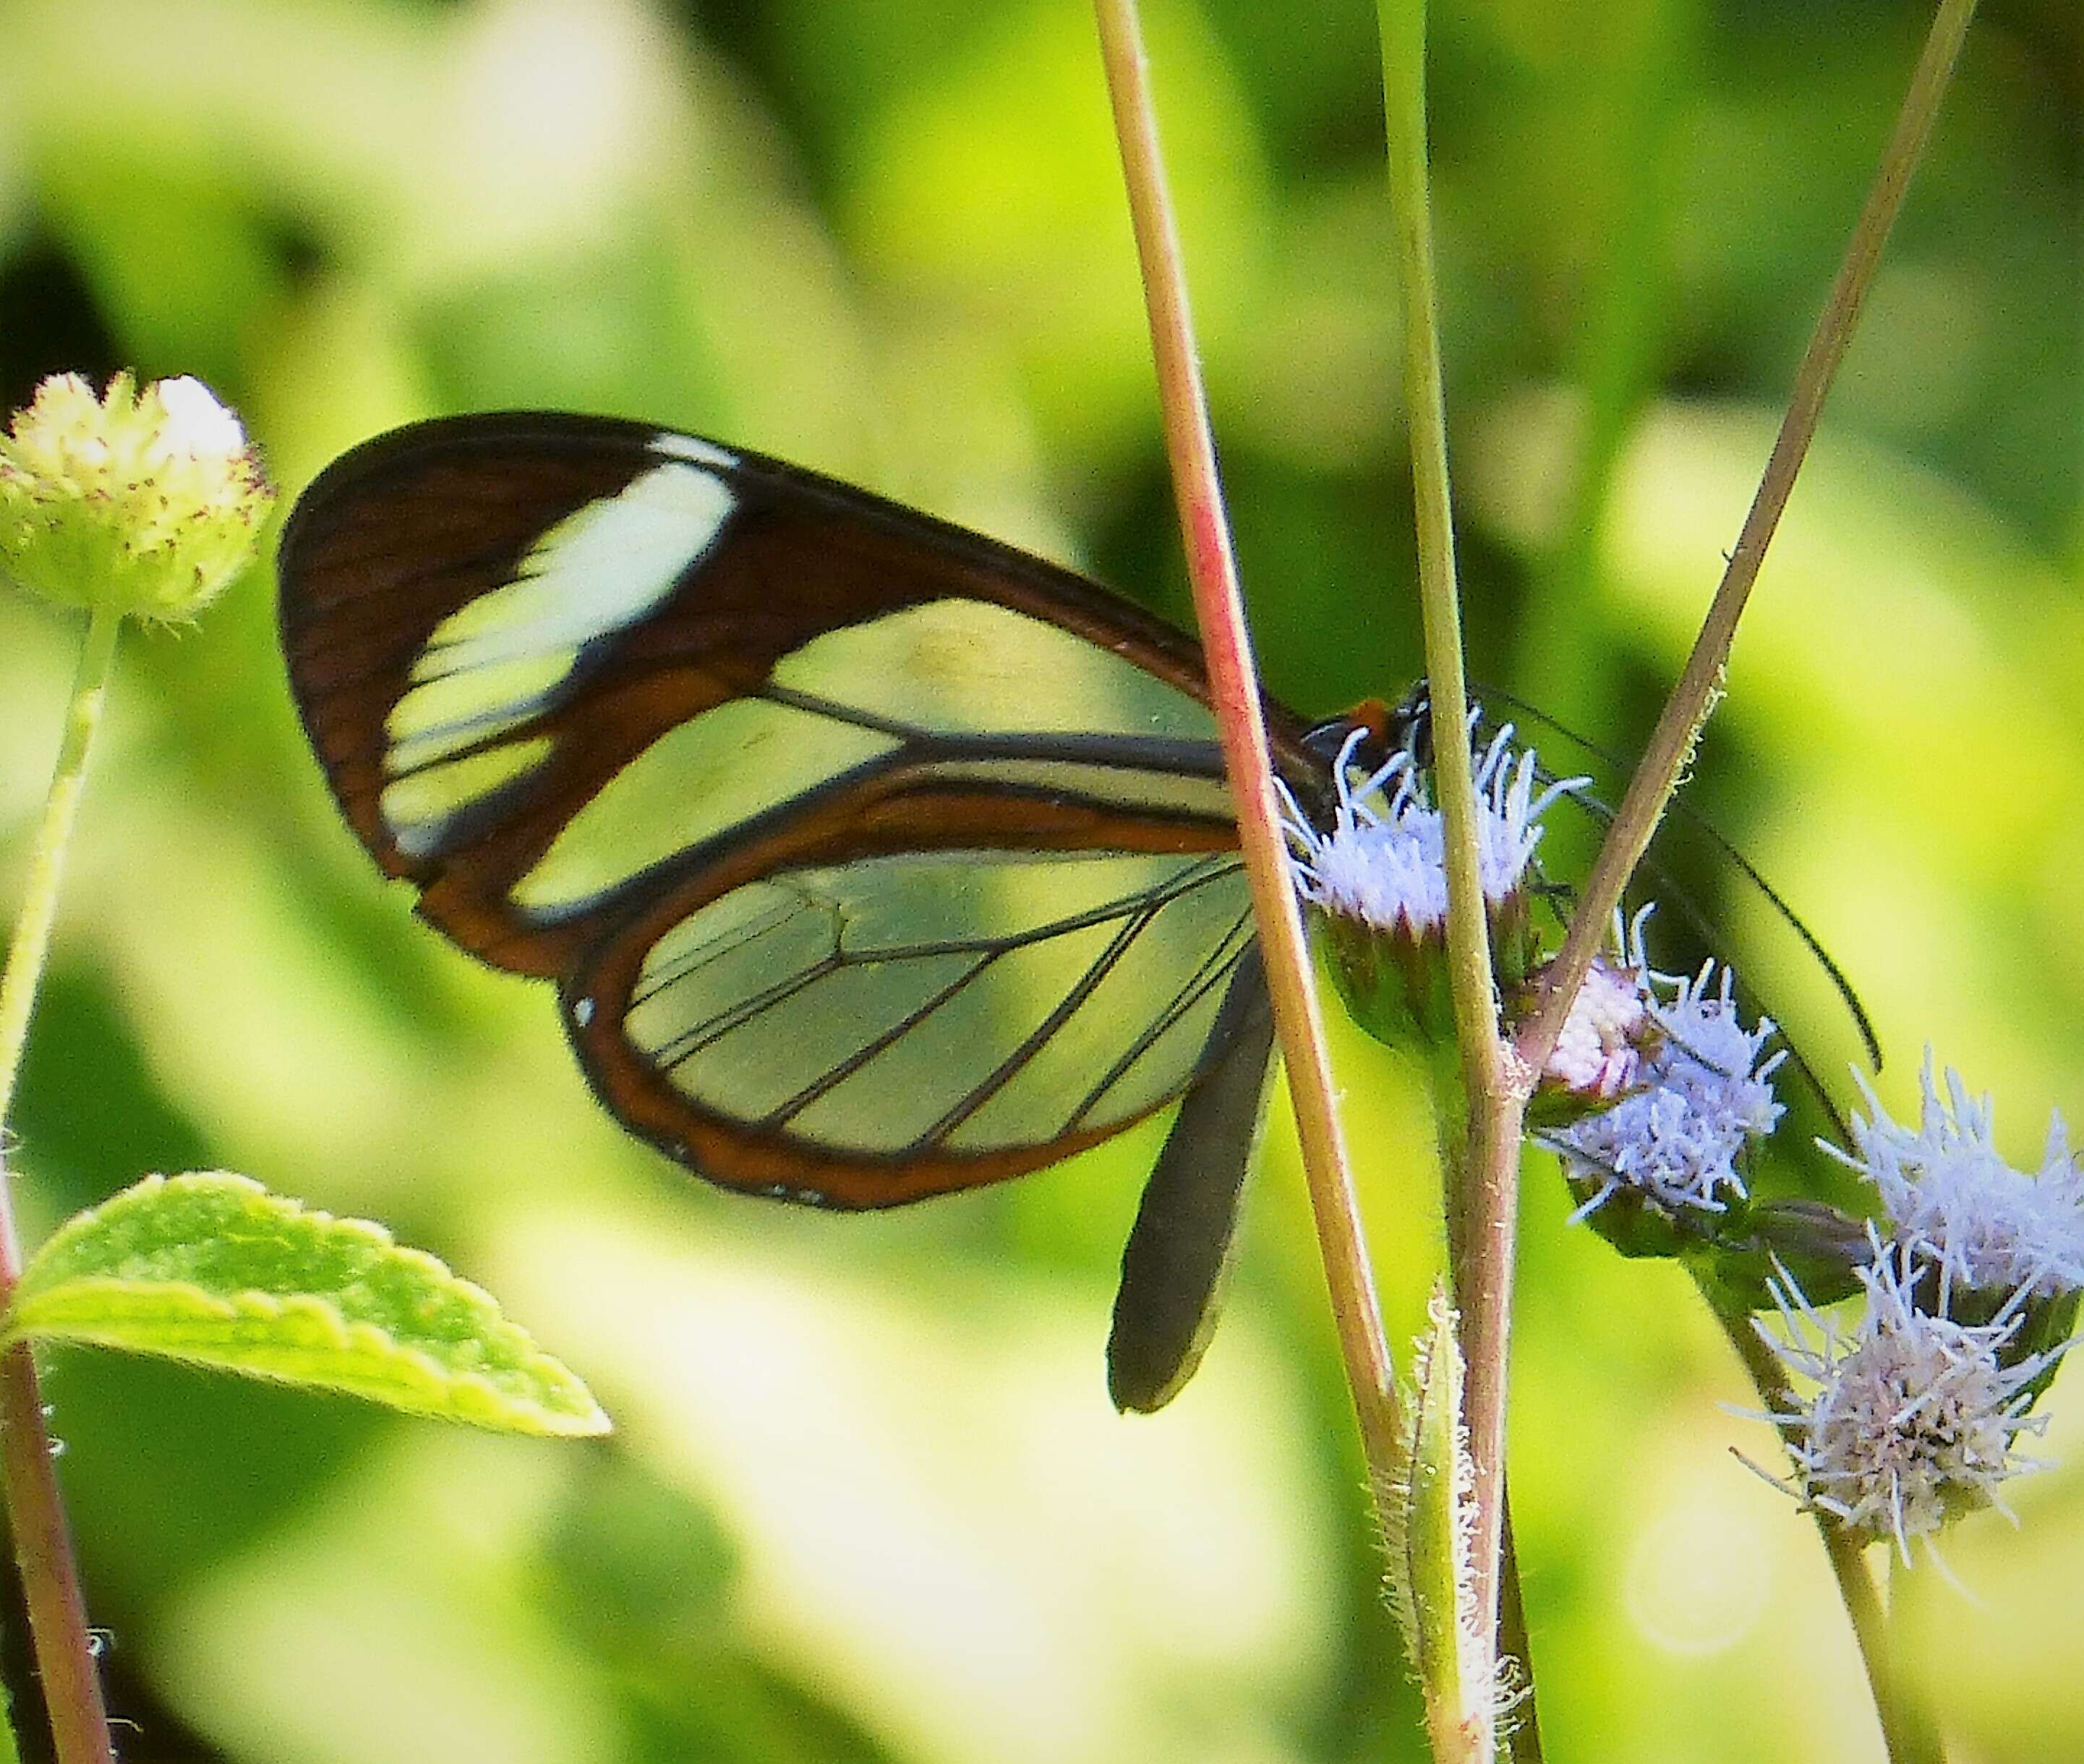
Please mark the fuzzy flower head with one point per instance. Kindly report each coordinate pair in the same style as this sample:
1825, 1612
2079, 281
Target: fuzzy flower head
1384, 861
1915, 1419
143, 504
1954, 1203
1378, 877
1703, 1096
1385, 867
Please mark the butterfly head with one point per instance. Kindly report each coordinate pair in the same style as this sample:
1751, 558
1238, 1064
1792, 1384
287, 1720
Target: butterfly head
1384, 730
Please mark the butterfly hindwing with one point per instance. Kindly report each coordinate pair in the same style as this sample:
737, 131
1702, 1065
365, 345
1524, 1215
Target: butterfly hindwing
876, 1030
1179, 1255
873, 858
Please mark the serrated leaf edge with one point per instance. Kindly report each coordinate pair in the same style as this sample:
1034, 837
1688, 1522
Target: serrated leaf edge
39, 1313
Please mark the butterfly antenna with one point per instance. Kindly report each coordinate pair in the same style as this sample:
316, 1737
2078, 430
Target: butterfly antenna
1839, 981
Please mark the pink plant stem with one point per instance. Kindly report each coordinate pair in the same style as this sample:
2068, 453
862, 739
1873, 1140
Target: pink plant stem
1233, 695
43, 1550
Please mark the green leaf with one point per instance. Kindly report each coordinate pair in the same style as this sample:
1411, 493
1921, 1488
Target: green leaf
212, 1269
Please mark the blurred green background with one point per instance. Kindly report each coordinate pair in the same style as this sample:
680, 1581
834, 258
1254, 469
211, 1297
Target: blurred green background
868, 1501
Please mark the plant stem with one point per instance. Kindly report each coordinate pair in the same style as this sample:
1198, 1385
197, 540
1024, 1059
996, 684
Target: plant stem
31, 943
1523, 1735
1233, 696
1906, 1729
1483, 1209
1921, 1740
1678, 727
35, 1508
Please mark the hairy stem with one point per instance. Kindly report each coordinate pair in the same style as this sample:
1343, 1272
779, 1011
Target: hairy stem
35, 1508
1233, 695
1522, 1734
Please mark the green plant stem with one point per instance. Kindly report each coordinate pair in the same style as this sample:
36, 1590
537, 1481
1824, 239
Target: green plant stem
1523, 1734
1678, 727
1908, 1732
31, 943
1234, 695
1922, 1739
35, 1508
1483, 1204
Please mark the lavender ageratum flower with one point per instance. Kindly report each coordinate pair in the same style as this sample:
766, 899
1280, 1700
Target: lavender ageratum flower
1703, 1096
1386, 867
1954, 1203
1915, 1419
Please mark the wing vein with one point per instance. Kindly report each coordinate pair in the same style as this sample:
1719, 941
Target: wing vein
1014, 1063
697, 1037
837, 1075
1213, 970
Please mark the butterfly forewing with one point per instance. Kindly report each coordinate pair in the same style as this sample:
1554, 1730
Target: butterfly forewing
873, 859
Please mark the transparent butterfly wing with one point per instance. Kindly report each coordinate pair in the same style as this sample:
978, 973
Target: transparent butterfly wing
870, 1032
872, 858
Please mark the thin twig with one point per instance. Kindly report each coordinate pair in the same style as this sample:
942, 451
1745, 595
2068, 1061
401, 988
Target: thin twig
1234, 695
1678, 729
1679, 726
35, 1508
1522, 1733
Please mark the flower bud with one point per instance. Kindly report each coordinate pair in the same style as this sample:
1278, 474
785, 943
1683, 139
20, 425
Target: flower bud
1598, 1056
139, 504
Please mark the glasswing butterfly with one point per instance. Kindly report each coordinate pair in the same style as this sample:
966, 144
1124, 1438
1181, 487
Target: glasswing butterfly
872, 859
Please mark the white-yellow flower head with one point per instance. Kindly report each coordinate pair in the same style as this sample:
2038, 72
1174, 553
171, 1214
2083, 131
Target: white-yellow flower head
143, 504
